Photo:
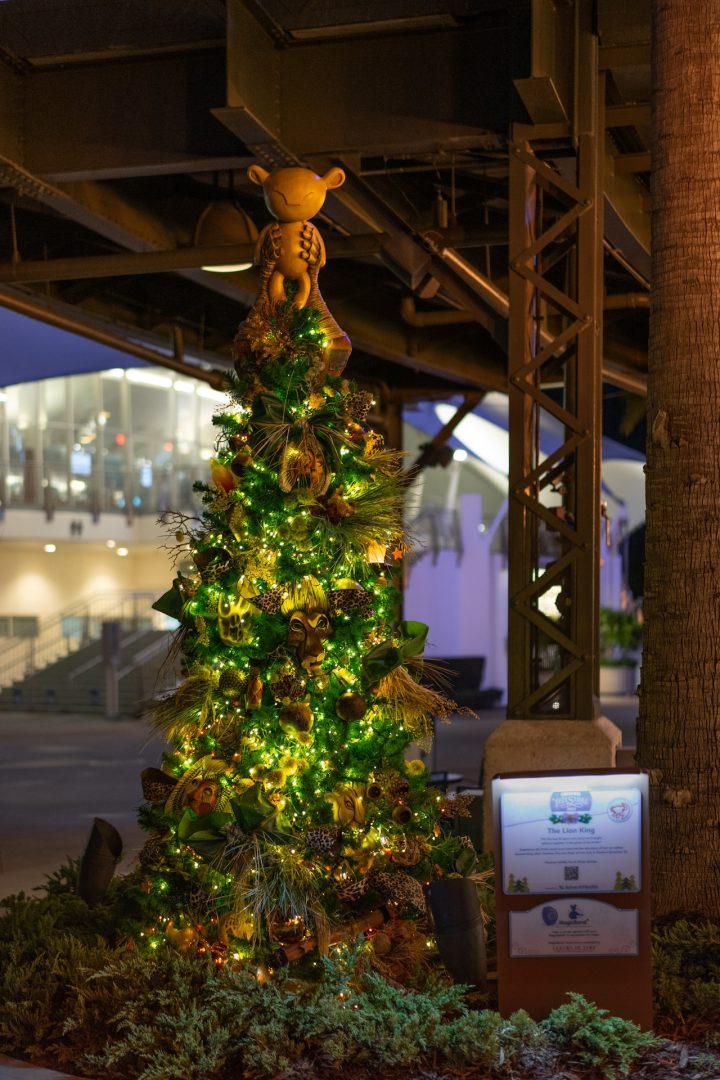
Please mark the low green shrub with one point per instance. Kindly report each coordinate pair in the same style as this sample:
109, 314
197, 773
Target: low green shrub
604, 1042
75, 992
686, 972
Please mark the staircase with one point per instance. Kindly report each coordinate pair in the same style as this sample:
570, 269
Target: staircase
63, 668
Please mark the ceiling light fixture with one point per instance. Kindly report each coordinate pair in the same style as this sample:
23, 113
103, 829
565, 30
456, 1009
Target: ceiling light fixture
49, 548
122, 552
225, 224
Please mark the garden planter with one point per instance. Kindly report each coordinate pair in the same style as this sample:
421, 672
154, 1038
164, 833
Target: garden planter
458, 929
618, 679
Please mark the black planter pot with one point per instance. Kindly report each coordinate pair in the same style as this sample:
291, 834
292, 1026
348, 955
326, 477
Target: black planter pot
459, 930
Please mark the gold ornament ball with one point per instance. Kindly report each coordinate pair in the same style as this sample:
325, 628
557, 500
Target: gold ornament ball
351, 706
373, 791
402, 814
288, 931
183, 938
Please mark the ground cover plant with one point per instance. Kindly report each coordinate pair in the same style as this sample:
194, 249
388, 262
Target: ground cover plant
76, 994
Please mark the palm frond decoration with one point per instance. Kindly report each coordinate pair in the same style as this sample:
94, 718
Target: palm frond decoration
413, 704
185, 713
273, 884
270, 437
376, 510
432, 670
387, 461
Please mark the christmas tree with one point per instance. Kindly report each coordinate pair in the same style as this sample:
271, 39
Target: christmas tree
286, 815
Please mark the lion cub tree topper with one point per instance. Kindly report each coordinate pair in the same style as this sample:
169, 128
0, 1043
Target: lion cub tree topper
291, 248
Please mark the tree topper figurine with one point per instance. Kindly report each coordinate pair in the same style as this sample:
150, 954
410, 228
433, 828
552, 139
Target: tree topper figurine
291, 248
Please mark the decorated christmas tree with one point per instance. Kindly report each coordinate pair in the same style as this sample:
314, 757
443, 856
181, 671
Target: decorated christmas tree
286, 815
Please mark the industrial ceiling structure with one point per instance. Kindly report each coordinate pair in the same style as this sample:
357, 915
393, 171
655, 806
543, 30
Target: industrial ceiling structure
121, 121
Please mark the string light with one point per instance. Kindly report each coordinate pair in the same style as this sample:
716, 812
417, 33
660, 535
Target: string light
253, 540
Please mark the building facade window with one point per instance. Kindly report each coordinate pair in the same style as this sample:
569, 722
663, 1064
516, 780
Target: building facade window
129, 442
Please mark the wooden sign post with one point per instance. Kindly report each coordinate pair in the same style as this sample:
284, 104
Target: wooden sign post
573, 891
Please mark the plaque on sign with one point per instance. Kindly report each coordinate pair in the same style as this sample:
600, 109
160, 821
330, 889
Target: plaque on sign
571, 840
574, 926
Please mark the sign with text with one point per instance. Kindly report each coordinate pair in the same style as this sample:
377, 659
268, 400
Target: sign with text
573, 891
572, 928
586, 839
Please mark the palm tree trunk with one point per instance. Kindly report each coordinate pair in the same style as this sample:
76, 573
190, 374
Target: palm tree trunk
679, 725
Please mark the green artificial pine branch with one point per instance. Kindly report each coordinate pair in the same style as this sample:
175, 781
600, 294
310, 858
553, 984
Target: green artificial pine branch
288, 809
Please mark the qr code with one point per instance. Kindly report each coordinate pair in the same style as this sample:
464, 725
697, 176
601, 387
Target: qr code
572, 873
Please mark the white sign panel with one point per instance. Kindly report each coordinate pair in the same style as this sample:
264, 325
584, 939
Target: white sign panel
574, 927
584, 838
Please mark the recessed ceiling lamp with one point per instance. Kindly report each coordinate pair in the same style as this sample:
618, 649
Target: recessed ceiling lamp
110, 543
49, 548
225, 224
122, 552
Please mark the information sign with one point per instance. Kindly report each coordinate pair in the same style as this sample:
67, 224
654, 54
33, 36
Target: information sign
572, 889
586, 839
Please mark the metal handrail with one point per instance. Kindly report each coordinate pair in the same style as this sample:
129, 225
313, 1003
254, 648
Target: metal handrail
145, 655
51, 643
97, 660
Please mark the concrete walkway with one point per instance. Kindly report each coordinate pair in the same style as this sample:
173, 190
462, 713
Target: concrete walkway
18, 1070
58, 772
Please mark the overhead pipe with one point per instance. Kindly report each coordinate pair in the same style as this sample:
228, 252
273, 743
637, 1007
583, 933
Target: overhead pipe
622, 301
157, 262
35, 310
633, 381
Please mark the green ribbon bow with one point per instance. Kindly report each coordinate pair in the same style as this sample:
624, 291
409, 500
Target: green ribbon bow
385, 657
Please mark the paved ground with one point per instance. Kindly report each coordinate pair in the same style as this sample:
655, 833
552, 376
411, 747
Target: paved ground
59, 771
17, 1070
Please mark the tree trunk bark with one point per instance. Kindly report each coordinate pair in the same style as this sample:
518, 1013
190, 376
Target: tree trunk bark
679, 725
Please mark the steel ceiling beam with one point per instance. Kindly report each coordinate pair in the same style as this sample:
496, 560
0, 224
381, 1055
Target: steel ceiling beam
156, 262
36, 308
